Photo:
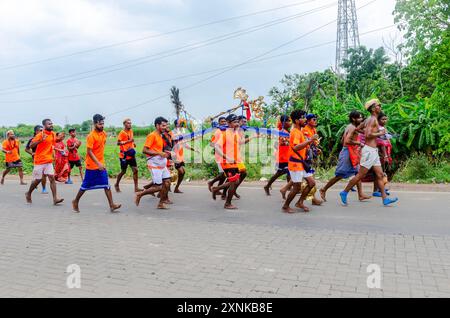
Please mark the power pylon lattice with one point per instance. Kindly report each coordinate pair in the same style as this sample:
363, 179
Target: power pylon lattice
347, 30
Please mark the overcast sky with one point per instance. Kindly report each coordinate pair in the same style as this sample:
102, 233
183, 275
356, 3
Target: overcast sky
35, 30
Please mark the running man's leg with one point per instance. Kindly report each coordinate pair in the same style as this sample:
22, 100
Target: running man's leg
181, 173
4, 175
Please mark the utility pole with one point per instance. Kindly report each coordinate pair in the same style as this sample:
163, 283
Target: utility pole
347, 31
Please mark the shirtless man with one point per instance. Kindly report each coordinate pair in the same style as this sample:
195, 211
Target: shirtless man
369, 155
347, 167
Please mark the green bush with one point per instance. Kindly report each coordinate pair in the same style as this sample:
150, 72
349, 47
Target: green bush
420, 169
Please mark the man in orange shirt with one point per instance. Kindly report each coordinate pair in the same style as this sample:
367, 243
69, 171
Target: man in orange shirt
127, 155
227, 146
178, 149
11, 148
281, 154
309, 131
44, 143
221, 178
297, 155
157, 164
96, 176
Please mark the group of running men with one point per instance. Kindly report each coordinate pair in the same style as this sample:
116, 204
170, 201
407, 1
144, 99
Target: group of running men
297, 145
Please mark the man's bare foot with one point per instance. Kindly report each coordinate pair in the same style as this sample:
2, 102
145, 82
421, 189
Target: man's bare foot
223, 197
137, 199
23, 183
317, 202
177, 191
28, 198
116, 186
75, 207
283, 194
58, 201
210, 186
302, 206
238, 197
167, 202
287, 210
138, 190
115, 207
364, 197
230, 207
2, 182
267, 190
161, 206
323, 195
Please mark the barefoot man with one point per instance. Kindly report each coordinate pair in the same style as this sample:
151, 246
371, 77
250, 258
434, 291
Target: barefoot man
227, 147
44, 143
281, 153
178, 149
157, 164
298, 145
11, 148
369, 154
127, 155
96, 176
221, 178
74, 158
349, 157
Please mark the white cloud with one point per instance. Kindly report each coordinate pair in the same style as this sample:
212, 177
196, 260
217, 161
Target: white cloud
52, 26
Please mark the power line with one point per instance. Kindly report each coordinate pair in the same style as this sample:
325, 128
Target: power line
232, 67
183, 76
154, 36
162, 55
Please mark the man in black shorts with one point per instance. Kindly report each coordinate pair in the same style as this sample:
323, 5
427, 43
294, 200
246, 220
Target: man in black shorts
127, 155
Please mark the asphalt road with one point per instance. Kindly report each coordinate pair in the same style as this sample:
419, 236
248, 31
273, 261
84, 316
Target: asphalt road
416, 213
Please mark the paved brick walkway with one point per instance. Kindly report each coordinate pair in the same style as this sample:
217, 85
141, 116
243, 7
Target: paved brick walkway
146, 253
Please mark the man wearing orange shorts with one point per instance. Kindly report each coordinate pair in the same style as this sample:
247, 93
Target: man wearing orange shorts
44, 143
11, 148
96, 176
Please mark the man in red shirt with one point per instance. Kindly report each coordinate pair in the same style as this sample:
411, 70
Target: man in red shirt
11, 148
74, 158
44, 143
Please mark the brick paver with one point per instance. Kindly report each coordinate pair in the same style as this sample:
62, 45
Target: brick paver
150, 254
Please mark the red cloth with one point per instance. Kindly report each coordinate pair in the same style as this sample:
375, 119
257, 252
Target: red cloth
62, 167
247, 109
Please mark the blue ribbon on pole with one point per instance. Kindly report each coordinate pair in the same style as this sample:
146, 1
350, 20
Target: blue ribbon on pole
258, 130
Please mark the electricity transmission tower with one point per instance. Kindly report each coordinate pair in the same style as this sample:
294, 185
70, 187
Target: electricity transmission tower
347, 30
